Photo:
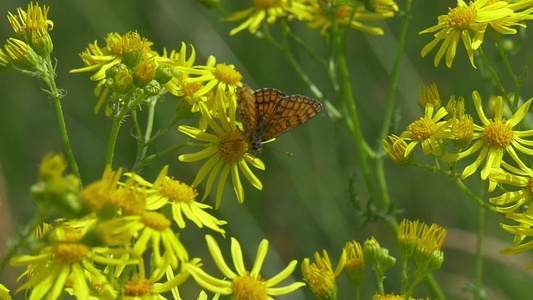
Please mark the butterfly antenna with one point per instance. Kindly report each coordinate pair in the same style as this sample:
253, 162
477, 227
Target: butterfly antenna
284, 152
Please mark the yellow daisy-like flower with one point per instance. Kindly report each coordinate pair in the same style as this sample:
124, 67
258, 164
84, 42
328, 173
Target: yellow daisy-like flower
521, 231
396, 150
495, 138
227, 152
219, 78
355, 263
522, 178
320, 276
4, 293
50, 269
104, 192
181, 198
243, 284
271, 10
427, 130
459, 23
346, 16
154, 227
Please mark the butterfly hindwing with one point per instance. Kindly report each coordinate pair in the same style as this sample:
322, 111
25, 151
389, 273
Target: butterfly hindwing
290, 112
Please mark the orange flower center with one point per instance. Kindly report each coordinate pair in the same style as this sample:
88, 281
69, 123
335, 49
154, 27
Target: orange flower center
178, 191
422, 129
155, 220
69, 253
249, 288
498, 134
227, 74
461, 17
264, 4
343, 12
138, 287
232, 146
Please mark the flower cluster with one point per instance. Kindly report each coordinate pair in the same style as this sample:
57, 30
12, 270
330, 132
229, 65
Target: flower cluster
418, 244
469, 22
133, 75
501, 146
316, 13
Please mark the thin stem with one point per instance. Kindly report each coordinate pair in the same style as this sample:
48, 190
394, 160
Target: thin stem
495, 77
117, 121
350, 103
301, 43
150, 159
286, 50
56, 96
479, 251
523, 77
461, 186
503, 56
387, 118
22, 240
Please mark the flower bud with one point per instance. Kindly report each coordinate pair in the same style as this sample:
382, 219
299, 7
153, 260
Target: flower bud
163, 74
22, 54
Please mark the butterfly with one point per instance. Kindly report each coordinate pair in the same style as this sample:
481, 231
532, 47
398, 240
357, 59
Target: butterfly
268, 113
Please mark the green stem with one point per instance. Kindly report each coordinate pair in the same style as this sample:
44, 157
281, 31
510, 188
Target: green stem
142, 146
56, 96
387, 118
523, 77
479, 250
495, 77
503, 56
150, 159
461, 186
286, 50
22, 241
301, 43
350, 104
117, 121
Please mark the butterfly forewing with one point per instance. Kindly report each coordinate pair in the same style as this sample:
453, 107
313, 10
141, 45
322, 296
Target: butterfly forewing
268, 113
291, 112
248, 112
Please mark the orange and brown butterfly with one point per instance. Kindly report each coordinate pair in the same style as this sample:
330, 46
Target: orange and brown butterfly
268, 113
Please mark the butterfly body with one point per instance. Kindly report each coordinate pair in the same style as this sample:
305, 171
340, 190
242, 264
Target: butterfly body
268, 113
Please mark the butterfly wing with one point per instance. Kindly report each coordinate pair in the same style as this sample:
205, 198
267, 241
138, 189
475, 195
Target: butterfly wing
290, 112
247, 111
266, 101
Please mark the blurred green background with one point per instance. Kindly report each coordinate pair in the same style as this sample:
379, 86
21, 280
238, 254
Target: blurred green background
306, 204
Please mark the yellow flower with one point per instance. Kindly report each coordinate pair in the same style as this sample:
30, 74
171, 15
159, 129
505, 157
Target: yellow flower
130, 50
408, 235
345, 15
243, 284
181, 198
49, 270
320, 275
494, 139
104, 193
522, 178
428, 255
4, 293
227, 152
459, 23
521, 231
271, 10
154, 227
427, 130
396, 150
213, 77
355, 263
